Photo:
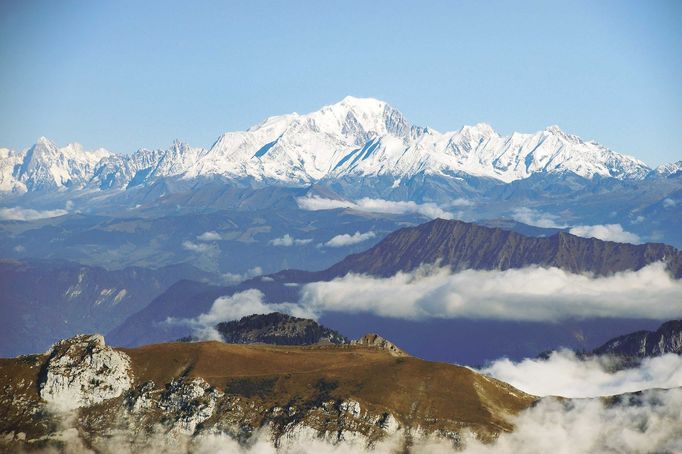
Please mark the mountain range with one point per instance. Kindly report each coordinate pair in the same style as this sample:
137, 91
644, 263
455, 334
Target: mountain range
454, 244
356, 137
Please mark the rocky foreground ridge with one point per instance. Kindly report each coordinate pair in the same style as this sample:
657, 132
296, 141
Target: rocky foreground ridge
175, 396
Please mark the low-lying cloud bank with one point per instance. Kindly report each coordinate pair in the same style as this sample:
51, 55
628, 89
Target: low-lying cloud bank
564, 374
368, 205
529, 294
346, 239
649, 422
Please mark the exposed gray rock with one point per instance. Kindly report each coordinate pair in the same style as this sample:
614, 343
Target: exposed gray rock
376, 341
83, 371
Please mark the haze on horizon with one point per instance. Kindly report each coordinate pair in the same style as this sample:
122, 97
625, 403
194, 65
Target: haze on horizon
126, 75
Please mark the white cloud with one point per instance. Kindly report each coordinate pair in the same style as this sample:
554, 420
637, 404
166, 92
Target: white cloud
564, 374
235, 278
669, 203
537, 218
346, 239
201, 248
27, 214
606, 232
234, 307
430, 210
533, 294
209, 236
649, 422
287, 240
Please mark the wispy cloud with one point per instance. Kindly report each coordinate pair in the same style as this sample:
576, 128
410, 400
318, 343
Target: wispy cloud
209, 249
235, 278
430, 210
209, 236
537, 218
28, 214
347, 239
287, 240
606, 232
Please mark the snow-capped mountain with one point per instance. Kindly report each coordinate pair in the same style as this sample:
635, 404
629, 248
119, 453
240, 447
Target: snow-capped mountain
44, 166
352, 138
667, 170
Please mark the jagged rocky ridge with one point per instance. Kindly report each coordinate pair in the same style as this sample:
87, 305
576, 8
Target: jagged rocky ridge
462, 245
352, 138
173, 396
644, 344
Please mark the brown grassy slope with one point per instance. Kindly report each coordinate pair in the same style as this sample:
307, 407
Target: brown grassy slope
417, 392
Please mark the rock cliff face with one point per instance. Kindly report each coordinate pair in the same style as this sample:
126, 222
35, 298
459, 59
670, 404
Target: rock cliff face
182, 397
83, 371
642, 344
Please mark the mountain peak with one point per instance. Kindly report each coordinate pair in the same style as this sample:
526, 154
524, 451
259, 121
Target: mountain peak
554, 129
42, 140
479, 129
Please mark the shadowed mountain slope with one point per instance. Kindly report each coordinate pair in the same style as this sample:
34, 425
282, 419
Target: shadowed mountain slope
462, 245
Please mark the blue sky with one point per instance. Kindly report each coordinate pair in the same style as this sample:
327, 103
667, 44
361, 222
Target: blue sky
131, 74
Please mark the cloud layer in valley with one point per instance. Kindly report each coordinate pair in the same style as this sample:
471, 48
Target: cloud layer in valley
368, 205
649, 422
531, 294
565, 374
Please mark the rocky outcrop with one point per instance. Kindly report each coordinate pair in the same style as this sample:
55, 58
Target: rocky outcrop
643, 344
278, 329
376, 341
83, 371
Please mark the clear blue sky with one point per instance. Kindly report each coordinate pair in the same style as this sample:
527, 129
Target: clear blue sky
131, 74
